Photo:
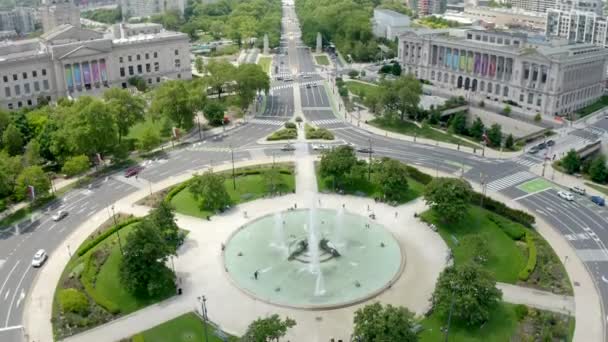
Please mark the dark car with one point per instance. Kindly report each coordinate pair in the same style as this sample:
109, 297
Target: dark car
288, 147
550, 143
365, 150
533, 150
542, 146
132, 171
598, 200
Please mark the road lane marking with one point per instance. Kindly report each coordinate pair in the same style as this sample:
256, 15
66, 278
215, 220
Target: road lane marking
9, 275
21, 297
14, 327
10, 308
7, 293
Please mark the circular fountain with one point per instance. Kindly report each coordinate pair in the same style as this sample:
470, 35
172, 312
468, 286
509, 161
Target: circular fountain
313, 258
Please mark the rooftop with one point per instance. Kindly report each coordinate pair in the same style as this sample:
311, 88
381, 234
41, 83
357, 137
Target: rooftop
393, 14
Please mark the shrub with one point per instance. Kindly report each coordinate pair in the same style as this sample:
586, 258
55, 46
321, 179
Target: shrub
531, 265
537, 117
174, 191
521, 311
2, 205
75, 165
89, 274
318, 133
298, 119
94, 242
511, 229
502, 210
418, 175
482, 104
290, 124
353, 73
72, 300
283, 134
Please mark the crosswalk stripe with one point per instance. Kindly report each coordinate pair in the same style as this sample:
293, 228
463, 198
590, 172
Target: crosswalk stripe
527, 161
327, 122
267, 122
505, 182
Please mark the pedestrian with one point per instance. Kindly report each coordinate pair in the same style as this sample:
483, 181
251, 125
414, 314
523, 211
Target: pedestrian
255, 275
295, 205
368, 207
245, 213
343, 206
396, 214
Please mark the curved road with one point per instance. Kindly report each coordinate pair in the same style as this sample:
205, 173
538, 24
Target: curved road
580, 222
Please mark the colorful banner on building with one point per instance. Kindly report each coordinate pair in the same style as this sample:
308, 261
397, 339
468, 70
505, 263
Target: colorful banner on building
77, 78
492, 66
477, 63
484, 65
104, 71
448, 58
463, 62
86, 73
68, 76
470, 63
455, 60
95, 71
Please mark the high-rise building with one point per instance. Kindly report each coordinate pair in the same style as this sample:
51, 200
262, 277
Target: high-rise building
542, 6
428, 7
55, 13
146, 8
534, 5
578, 26
20, 20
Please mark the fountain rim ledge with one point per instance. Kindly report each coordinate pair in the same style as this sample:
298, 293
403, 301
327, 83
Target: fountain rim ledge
319, 307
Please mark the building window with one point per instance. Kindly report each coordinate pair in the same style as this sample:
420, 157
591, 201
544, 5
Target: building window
5, 78
43, 72
36, 86
179, 75
177, 63
29, 102
147, 55
139, 57
19, 104
155, 54
24, 74
120, 59
139, 69
26, 87
124, 85
521, 97
129, 58
10, 106
149, 81
505, 91
45, 84
539, 101
176, 52
148, 68
7, 91
34, 73
156, 66
530, 98
17, 90
15, 77
534, 75
131, 73
122, 72
158, 80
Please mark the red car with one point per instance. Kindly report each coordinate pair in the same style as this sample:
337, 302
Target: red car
132, 171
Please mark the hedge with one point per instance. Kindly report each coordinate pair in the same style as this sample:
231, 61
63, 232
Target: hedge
72, 300
418, 175
89, 273
290, 124
284, 134
503, 210
531, 265
90, 244
175, 190
514, 231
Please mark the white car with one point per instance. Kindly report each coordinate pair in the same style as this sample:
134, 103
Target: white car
578, 190
60, 215
319, 147
566, 195
39, 258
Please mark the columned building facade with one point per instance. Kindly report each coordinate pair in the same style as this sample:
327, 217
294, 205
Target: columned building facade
506, 68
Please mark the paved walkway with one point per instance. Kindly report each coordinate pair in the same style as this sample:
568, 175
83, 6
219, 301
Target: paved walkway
538, 299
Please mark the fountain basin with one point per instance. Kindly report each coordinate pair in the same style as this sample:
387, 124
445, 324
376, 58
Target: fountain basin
368, 259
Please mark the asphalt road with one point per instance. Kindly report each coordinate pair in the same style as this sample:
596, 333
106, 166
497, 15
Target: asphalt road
580, 222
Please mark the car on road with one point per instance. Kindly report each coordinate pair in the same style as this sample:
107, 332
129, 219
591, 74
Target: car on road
308, 86
320, 147
60, 215
578, 190
39, 258
533, 150
565, 195
365, 150
288, 147
279, 78
133, 171
542, 146
550, 143
598, 200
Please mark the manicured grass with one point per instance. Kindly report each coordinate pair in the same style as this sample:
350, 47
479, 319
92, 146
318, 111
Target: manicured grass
409, 128
185, 328
505, 259
535, 185
361, 89
595, 106
500, 328
264, 62
599, 188
138, 129
248, 188
322, 60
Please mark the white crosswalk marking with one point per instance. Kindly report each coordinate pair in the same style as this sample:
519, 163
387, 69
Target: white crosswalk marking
267, 122
595, 130
201, 147
510, 180
326, 122
527, 161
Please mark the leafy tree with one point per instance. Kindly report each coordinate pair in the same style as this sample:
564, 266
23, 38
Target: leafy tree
373, 101
10, 168
449, 197
209, 189
268, 329
220, 73
537, 117
32, 176
164, 218
571, 162
495, 135
31, 156
378, 323
173, 101
76, 165
434, 116
5, 120
401, 95
12, 139
138, 82
472, 290
510, 142
477, 128
272, 178
126, 109
338, 163
149, 139
143, 271
199, 65
598, 171
250, 78
396, 69
507, 110
214, 113
391, 175
458, 123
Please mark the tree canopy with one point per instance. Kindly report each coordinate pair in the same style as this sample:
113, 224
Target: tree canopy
378, 323
209, 189
449, 197
571, 162
338, 163
391, 175
268, 329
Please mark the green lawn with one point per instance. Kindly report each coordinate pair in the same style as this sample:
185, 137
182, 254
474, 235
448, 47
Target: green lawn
265, 62
599, 188
595, 106
248, 188
409, 128
500, 328
185, 328
505, 260
361, 89
535, 185
322, 60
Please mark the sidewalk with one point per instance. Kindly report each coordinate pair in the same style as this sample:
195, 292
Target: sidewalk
538, 299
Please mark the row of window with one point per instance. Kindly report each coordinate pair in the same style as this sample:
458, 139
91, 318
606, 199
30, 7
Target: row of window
146, 55
29, 103
24, 75
27, 89
140, 68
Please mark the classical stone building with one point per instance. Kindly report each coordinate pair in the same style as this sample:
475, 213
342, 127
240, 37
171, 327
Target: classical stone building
70, 62
552, 78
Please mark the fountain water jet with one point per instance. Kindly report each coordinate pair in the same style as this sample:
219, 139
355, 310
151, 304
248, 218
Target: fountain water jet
313, 252
338, 233
280, 240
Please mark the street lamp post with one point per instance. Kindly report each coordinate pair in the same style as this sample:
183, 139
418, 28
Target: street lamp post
203, 301
117, 233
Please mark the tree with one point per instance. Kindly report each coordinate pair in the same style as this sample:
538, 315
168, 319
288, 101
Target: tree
510, 142
338, 163
10, 168
209, 189
250, 78
537, 117
598, 171
164, 218
214, 113
220, 73
449, 197
32, 176
138, 82
268, 329
149, 139
401, 95
143, 271
5, 120
31, 156
76, 165
507, 110
373, 102
391, 175
199, 65
12, 139
472, 291
272, 178
173, 101
396, 69
495, 135
458, 124
571, 162
126, 109
378, 323
477, 128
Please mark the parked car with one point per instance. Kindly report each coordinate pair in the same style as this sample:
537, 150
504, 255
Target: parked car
566, 195
39, 258
288, 147
365, 150
578, 190
279, 78
598, 200
550, 143
319, 147
132, 171
542, 146
533, 150
60, 215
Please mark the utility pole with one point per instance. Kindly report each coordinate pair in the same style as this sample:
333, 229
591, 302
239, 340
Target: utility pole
203, 301
233, 173
369, 167
117, 233
198, 121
